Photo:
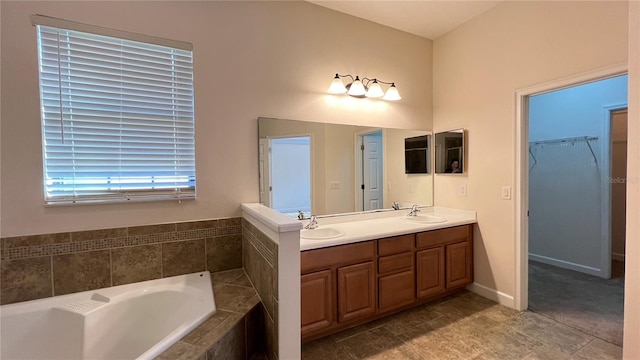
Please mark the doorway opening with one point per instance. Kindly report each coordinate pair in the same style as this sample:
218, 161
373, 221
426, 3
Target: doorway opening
565, 206
369, 171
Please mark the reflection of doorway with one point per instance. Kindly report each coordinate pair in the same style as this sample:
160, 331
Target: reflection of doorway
369, 169
286, 174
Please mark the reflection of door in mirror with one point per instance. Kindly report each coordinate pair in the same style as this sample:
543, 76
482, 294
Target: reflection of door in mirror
285, 174
370, 163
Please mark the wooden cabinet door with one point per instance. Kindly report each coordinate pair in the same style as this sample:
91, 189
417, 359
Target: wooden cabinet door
430, 270
316, 290
356, 291
396, 290
459, 265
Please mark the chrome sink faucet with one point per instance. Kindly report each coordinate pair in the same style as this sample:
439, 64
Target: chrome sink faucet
395, 206
313, 223
414, 210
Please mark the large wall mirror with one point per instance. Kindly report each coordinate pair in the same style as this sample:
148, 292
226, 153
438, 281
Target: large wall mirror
449, 152
324, 169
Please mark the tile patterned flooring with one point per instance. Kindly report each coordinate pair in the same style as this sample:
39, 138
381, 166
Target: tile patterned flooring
463, 326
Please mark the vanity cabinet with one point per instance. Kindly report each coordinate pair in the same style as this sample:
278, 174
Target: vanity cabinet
444, 260
337, 285
346, 285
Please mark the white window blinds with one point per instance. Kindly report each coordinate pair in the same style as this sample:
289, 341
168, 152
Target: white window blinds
117, 118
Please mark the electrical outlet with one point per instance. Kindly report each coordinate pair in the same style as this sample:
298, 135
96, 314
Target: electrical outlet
410, 188
462, 190
506, 192
334, 185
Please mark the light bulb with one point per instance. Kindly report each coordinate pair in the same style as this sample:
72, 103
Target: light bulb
375, 91
357, 88
392, 93
337, 87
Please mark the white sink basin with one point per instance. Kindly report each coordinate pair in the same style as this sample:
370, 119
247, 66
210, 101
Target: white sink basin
321, 233
425, 218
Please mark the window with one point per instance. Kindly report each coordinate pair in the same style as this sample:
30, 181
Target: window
117, 114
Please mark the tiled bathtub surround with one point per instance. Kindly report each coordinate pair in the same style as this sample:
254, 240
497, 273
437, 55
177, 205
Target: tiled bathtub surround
260, 258
39, 266
234, 332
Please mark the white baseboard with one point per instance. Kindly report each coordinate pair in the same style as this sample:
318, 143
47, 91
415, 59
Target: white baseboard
492, 294
566, 265
616, 256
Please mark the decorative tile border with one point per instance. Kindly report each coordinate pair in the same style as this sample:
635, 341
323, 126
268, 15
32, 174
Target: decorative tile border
25, 247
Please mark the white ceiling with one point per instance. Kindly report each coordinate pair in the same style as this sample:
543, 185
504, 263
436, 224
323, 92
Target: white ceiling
426, 18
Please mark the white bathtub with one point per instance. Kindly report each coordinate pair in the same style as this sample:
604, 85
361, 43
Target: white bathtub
134, 321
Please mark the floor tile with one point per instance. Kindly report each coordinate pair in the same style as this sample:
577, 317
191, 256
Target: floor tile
599, 350
323, 349
550, 332
371, 344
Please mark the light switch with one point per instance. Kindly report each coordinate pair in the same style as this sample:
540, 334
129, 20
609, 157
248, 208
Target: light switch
462, 190
506, 192
410, 187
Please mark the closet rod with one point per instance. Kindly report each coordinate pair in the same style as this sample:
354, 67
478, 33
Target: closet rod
565, 140
572, 139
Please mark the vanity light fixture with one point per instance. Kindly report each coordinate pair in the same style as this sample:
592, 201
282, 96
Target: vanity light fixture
364, 88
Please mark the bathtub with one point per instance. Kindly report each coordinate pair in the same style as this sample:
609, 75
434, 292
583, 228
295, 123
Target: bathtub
134, 321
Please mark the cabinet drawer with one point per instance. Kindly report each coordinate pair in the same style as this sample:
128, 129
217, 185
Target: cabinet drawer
336, 256
395, 263
443, 236
395, 245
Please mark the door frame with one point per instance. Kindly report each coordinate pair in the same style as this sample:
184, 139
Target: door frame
608, 115
521, 161
606, 151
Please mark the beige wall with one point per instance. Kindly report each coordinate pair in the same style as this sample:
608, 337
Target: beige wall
251, 59
477, 69
631, 349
